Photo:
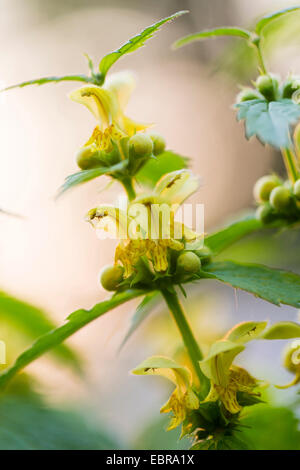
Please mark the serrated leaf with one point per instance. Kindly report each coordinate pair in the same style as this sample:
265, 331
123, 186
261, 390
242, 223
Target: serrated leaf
269, 122
213, 33
154, 169
268, 19
33, 322
74, 323
141, 313
225, 237
87, 175
274, 285
134, 43
283, 330
44, 80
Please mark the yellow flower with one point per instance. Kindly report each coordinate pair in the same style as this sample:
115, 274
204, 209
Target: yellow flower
107, 104
292, 363
226, 379
183, 399
148, 228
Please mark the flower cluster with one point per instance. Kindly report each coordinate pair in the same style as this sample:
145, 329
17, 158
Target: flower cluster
277, 200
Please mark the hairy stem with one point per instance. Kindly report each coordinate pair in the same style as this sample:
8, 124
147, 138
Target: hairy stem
128, 186
291, 164
188, 338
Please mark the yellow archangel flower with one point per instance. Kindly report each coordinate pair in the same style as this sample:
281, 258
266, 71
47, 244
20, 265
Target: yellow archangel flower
183, 399
107, 104
227, 379
148, 227
292, 363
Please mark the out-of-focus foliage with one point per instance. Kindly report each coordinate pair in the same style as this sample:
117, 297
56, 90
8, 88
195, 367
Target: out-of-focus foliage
239, 60
27, 423
30, 322
271, 428
53, 338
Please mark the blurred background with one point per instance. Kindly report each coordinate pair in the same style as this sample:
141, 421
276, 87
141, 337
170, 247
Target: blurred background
51, 258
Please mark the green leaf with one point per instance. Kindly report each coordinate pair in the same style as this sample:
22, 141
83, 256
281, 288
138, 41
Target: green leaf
268, 19
154, 169
271, 428
222, 239
273, 285
75, 322
87, 175
213, 33
283, 330
134, 43
33, 322
44, 80
27, 423
141, 313
246, 331
269, 122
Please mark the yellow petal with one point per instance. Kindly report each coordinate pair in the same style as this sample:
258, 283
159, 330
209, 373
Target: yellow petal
229, 400
216, 366
121, 85
131, 127
176, 186
213, 395
102, 103
110, 219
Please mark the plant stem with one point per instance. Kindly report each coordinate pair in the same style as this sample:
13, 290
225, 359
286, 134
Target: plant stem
127, 183
262, 66
189, 340
290, 164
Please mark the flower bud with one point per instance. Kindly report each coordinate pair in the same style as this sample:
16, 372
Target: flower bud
188, 262
86, 158
268, 86
159, 143
296, 189
264, 186
142, 145
289, 87
204, 255
280, 198
111, 276
248, 94
265, 214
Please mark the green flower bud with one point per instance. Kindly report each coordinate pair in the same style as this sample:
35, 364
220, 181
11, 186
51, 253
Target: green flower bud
204, 255
248, 94
86, 158
142, 145
268, 86
280, 198
159, 143
296, 189
188, 262
111, 276
265, 214
289, 87
264, 186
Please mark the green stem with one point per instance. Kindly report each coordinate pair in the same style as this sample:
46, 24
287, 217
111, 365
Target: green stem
291, 164
189, 340
261, 61
127, 183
